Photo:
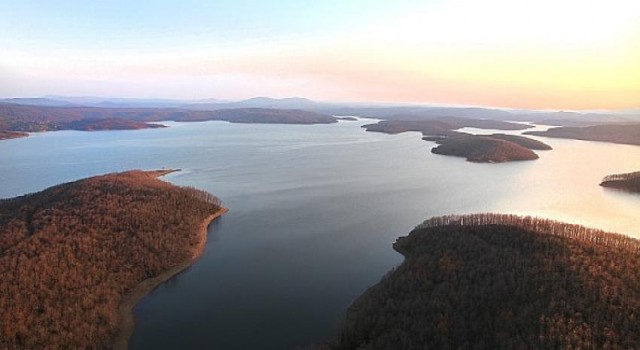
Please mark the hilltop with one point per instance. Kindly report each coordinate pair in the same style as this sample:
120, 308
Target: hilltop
489, 281
71, 254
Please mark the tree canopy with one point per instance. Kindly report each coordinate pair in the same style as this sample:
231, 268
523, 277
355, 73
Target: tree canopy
490, 281
68, 254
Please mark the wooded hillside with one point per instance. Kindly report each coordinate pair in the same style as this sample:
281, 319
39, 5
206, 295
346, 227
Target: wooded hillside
69, 253
492, 281
29, 118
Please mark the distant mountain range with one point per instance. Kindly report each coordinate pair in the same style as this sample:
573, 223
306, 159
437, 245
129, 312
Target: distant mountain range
371, 110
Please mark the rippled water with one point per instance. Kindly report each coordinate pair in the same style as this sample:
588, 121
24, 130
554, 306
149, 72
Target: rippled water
313, 213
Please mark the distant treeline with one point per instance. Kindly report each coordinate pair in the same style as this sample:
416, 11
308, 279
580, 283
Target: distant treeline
495, 281
68, 254
30, 118
538, 225
628, 133
628, 182
202, 195
622, 177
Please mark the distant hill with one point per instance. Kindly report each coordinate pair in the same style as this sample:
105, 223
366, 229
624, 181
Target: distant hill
420, 113
31, 118
70, 254
425, 113
38, 101
370, 110
260, 102
615, 133
495, 281
110, 102
207, 104
260, 116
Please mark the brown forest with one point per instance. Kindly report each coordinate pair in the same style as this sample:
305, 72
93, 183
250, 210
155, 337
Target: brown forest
495, 148
68, 254
489, 281
26, 118
482, 149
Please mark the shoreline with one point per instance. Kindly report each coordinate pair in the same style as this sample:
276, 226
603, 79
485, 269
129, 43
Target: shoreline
126, 318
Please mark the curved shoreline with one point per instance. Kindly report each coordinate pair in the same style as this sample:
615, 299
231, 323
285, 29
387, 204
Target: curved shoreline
126, 319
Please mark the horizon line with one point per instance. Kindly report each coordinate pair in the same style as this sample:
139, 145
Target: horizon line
381, 104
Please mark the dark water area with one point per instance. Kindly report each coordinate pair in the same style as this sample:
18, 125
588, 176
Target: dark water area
313, 213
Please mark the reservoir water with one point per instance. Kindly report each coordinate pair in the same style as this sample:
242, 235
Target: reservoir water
313, 213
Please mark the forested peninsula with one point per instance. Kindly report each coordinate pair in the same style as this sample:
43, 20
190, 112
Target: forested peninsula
73, 254
495, 148
629, 182
615, 133
496, 281
16, 119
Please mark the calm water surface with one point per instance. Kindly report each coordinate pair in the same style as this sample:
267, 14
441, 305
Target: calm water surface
313, 213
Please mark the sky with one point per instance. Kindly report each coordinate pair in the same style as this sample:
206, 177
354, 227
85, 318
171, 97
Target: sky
543, 54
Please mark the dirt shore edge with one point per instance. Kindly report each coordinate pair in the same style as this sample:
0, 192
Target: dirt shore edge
126, 319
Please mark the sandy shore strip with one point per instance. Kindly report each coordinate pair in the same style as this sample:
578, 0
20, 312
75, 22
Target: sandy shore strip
126, 319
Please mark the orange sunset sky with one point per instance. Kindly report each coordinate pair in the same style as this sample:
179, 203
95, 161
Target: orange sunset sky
519, 54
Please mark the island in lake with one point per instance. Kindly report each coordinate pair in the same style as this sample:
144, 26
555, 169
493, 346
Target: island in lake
629, 182
441, 126
494, 148
77, 257
494, 281
615, 133
16, 118
483, 149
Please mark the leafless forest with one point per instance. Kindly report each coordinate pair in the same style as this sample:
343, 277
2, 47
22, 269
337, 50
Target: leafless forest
69, 253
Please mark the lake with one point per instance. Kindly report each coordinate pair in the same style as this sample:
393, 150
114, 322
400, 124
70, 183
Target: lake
313, 213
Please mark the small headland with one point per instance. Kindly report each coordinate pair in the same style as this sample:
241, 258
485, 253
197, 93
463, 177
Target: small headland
496, 148
491, 281
75, 255
628, 133
629, 182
